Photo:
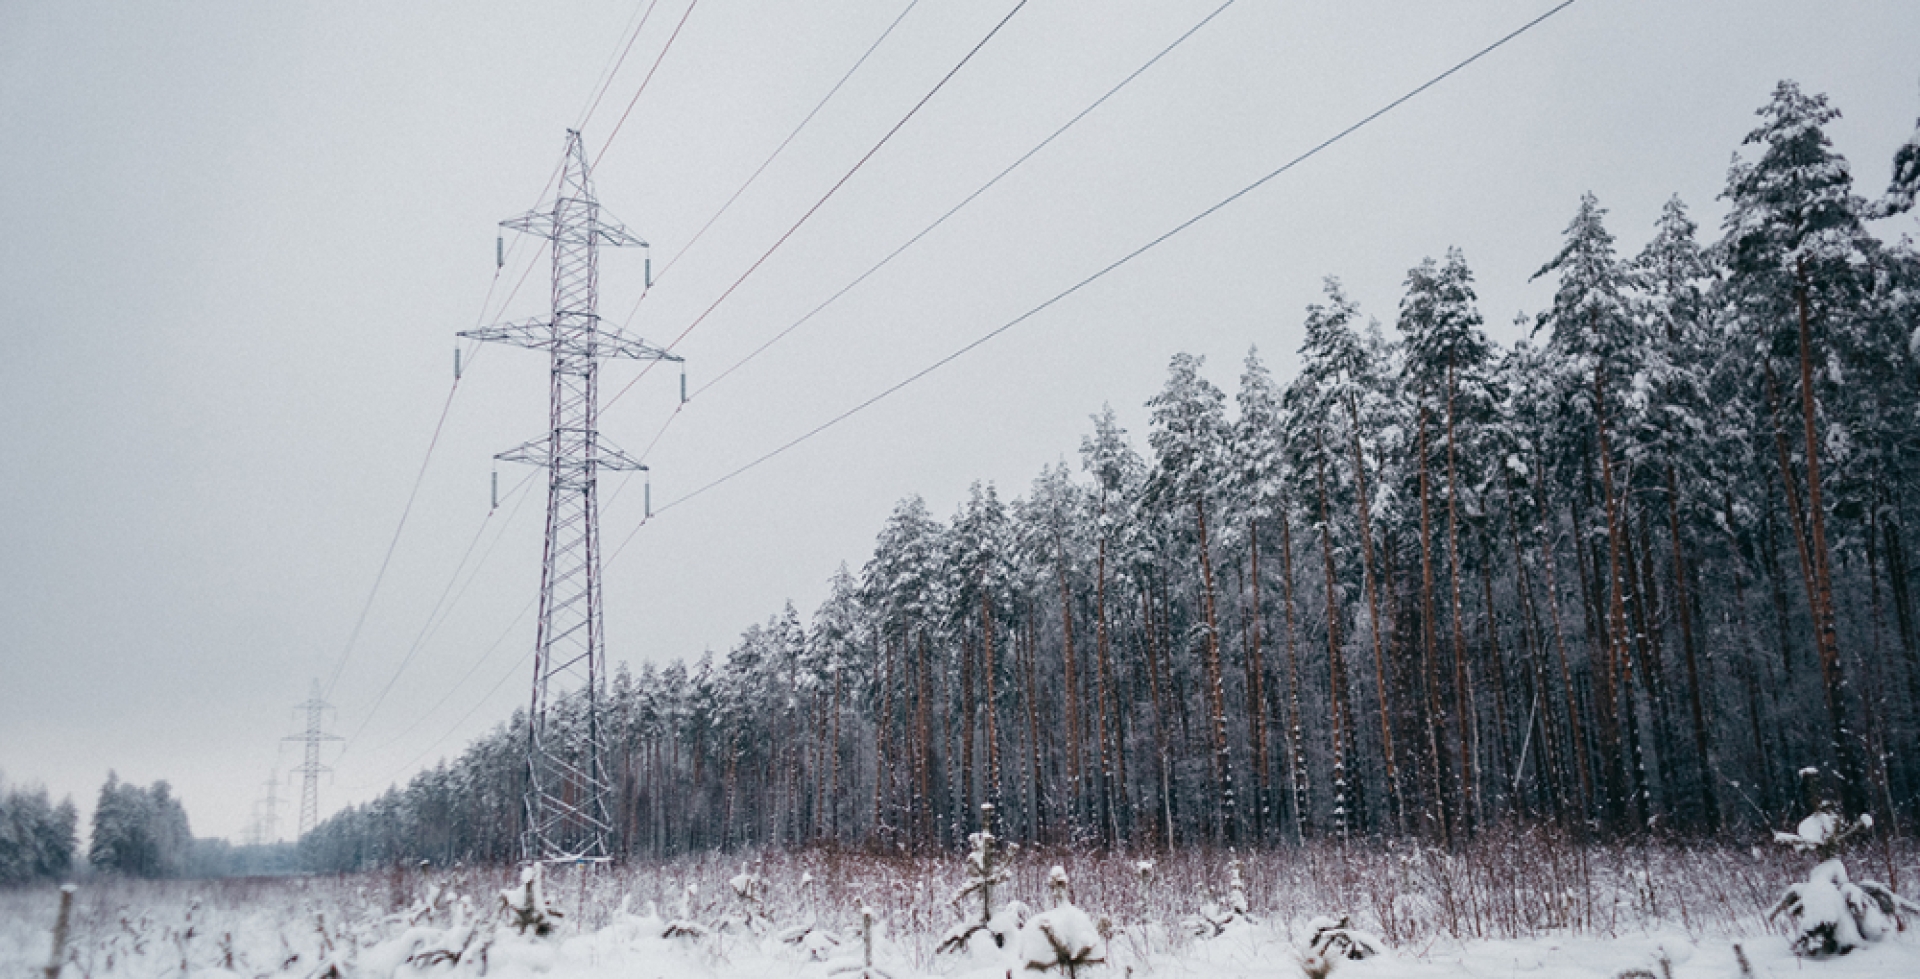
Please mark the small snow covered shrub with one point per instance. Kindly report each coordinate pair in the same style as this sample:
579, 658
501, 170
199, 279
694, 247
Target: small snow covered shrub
1063, 938
864, 969
1832, 915
527, 904
819, 943
1214, 920
684, 926
749, 891
984, 873
1331, 940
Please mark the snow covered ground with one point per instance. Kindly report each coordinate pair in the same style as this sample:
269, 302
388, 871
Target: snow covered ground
753, 921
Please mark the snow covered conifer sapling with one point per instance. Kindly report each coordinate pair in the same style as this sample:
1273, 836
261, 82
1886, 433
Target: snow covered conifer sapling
1333, 940
1831, 914
749, 889
528, 904
1213, 920
984, 873
1063, 938
818, 942
866, 969
685, 926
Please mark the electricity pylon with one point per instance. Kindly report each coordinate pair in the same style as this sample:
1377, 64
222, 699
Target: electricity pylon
566, 813
270, 817
265, 827
315, 706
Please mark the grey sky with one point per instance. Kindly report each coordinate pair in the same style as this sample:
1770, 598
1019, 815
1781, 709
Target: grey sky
241, 236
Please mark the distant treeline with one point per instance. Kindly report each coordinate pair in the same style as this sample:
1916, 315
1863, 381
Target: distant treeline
1634, 572
36, 835
137, 832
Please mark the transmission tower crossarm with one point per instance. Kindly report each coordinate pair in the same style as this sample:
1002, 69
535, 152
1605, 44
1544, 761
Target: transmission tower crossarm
539, 452
562, 222
540, 335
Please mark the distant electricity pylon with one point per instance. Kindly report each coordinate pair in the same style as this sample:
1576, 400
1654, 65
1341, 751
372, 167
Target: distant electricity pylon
311, 768
567, 785
270, 816
266, 815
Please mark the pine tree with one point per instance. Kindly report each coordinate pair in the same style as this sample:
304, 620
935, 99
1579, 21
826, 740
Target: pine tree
1258, 489
1117, 475
1189, 439
1447, 356
1793, 241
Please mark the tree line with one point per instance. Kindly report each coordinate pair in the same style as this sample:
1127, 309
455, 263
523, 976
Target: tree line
37, 839
1632, 573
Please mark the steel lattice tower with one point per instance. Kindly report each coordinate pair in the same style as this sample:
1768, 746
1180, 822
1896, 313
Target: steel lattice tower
315, 706
567, 785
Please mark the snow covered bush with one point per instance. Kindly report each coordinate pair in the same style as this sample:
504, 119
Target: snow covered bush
1332, 940
527, 904
1823, 832
684, 926
864, 969
808, 935
749, 890
1213, 920
984, 873
1063, 938
1832, 915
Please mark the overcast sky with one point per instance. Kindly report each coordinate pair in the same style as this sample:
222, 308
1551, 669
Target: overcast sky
240, 238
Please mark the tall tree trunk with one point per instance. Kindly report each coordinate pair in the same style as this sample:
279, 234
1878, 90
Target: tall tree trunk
1036, 799
1834, 681
1103, 674
928, 826
968, 708
1334, 685
1109, 690
834, 743
1216, 684
993, 704
1256, 690
1394, 802
1150, 635
1683, 604
1646, 606
1552, 760
1070, 681
1297, 774
1496, 663
1618, 649
883, 725
1429, 643
1464, 719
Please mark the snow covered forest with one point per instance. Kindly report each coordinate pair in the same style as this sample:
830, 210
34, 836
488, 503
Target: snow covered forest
1634, 574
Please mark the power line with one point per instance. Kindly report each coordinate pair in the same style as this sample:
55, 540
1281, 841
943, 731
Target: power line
387, 560
924, 99
606, 83
942, 219
644, 82
1111, 266
485, 654
434, 620
477, 704
668, 267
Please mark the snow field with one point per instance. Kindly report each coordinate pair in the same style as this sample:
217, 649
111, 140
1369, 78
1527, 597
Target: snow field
1519, 907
